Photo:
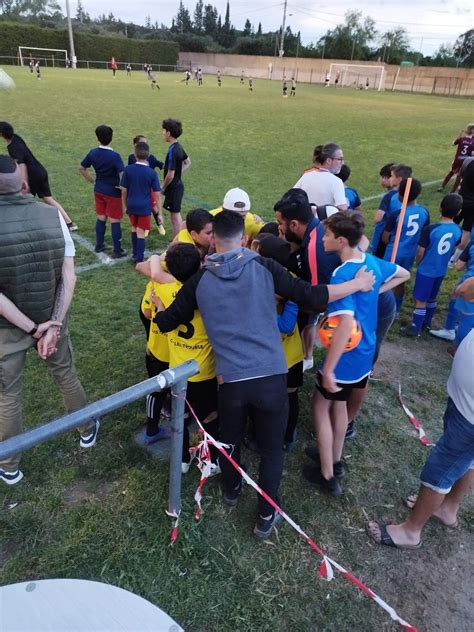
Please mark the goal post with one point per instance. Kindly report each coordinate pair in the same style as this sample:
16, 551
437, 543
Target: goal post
45, 54
358, 75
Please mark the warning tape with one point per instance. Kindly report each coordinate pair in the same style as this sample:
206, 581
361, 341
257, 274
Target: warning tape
422, 437
327, 566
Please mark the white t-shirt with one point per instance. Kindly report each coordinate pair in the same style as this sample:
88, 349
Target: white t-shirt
461, 379
69, 248
322, 187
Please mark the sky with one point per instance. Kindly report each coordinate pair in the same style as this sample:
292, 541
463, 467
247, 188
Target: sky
429, 23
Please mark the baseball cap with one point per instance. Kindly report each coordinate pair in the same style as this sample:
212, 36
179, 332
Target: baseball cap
236, 200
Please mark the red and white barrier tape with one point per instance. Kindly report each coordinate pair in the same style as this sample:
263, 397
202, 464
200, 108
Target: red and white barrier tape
413, 420
326, 568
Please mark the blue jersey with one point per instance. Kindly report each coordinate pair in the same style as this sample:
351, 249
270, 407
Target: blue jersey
317, 264
354, 365
139, 180
388, 204
466, 307
416, 218
352, 198
151, 160
439, 242
108, 166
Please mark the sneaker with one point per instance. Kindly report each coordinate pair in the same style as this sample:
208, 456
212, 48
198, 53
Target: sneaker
444, 334
161, 230
264, 526
215, 470
100, 248
440, 189
87, 441
313, 475
119, 255
308, 364
410, 332
162, 434
11, 478
231, 498
72, 227
338, 467
351, 432
185, 466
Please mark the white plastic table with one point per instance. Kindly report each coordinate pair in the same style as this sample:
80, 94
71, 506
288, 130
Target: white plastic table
76, 605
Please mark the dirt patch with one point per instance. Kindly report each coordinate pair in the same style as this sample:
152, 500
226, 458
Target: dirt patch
401, 362
85, 491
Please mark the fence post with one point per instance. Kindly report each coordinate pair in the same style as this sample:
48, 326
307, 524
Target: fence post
311, 76
178, 394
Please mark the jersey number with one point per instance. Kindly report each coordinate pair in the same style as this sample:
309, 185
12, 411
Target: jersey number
188, 332
444, 244
412, 226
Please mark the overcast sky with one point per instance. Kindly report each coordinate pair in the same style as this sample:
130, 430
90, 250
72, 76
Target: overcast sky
429, 22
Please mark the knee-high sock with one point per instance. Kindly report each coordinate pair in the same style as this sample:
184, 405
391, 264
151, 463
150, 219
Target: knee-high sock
430, 312
99, 232
116, 230
140, 249
134, 245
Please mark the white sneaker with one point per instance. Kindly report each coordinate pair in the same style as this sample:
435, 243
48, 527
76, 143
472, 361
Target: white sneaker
11, 478
215, 469
185, 467
89, 440
308, 364
444, 334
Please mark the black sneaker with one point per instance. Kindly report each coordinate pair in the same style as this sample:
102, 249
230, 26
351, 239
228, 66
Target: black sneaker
351, 432
314, 476
264, 526
312, 452
410, 332
89, 440
231, 498
99, 248
11, 478
119, 255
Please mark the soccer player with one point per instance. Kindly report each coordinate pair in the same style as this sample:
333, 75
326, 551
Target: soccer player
198, 231
437, 244
108, 167
152, 77
285, 88
219, 81
293, 87
238, 200
385, 174
113, 65
199, 76
342, 372
38, 69
32, 171
32, 66
187, 76
139, 181
464, 143
176, 162
242, 78
128, 68
352, 197
416, 218
153, 162
327, 79
250, 84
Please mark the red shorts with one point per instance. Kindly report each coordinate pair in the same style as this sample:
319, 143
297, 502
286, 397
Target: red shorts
108, 205
140, 221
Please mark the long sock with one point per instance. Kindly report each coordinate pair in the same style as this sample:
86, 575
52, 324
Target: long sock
398, 302
134, 245
430, 312
116, 230
140, 249
419, 316
457, 254
293, 412
452, 315
99, 232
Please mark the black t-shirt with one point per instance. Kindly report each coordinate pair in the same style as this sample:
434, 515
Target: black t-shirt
174, 162
467, 183
20, 152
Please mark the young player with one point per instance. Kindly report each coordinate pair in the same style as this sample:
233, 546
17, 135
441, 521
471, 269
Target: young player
342, 372
128, 68
416, 218
139, 181
285, 88
367, 84
352, 197
152, 76
219, 81
390, 203
176, 162
437, 244
199, 76
153, 162
198, 231
113, 65
238, 200
108, 167
250, 84
293, 87
187, 77
242, 75
32, 66
38, 69
327, 79
385, 174
464, 148
336, 80
32, 171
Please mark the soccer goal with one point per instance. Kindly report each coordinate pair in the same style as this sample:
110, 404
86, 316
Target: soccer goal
358, 76
55, 56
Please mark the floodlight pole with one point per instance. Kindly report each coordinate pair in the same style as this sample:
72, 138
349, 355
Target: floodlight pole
281, 52
71, 36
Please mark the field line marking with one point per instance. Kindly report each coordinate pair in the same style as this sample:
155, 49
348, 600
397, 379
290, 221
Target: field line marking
376, 197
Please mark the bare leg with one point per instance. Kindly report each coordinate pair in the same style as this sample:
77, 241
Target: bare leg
339, 428
355, 401
176, 223
324, 432
52, 202
308, 341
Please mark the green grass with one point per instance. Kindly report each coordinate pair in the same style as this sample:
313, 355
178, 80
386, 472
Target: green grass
100, 515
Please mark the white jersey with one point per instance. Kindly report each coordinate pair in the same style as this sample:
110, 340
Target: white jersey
322, 187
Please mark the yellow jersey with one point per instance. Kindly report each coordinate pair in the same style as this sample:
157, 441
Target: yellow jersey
146, 300
184, 237
252, 226
189, 341
292, 347
157, 340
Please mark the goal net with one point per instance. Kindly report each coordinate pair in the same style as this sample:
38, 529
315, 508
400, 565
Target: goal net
358, 76
46, 56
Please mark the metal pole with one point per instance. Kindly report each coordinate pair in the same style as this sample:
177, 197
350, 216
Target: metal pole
178, 393
71, 36
282, 39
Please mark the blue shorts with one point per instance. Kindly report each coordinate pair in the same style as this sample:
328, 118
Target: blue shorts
426, 288
453, 455
405, 262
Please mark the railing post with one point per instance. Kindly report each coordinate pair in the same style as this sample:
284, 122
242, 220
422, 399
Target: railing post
178, 394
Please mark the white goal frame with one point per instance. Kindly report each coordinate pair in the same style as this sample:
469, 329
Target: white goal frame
363, 71
33, 48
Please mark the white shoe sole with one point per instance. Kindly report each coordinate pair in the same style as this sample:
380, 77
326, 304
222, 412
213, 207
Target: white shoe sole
13, 481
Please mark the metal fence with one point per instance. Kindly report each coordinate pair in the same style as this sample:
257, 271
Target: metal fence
52, 61
175, 378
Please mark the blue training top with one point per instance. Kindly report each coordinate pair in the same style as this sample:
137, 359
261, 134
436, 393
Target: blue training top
139, 180
151, 160
389, 203
416, 218
439, 241
108, 166
352, 197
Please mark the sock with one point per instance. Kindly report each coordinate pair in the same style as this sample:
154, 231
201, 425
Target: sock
134, 245
457, 254
398, 302
418, 318
430, 312
293, 412
116, 230
452, 315
99, 232
140, 248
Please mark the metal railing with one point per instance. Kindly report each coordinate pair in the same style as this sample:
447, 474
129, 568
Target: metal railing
175, 378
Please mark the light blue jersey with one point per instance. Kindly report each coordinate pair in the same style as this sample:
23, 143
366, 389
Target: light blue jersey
439, 242
416, 218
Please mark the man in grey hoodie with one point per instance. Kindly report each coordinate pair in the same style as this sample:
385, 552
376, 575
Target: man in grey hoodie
235, 293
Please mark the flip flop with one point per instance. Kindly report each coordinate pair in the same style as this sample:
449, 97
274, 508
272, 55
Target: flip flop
410, 501
386, 538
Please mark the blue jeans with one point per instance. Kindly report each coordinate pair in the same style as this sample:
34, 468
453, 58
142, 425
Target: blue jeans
386, 311
453, 455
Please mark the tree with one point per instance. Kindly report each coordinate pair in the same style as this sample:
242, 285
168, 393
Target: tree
81, 14
350, 40
227, 25
199, 17
394, 45
210, 19
247, 28
16, 9
183, 22
259, 30
148, 22
464, 49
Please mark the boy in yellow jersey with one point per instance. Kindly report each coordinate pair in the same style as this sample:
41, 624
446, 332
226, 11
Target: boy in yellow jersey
189, 341
238, 200
198, 231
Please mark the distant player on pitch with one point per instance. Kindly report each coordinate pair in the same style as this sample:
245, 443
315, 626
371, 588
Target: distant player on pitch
464, 149
176, 162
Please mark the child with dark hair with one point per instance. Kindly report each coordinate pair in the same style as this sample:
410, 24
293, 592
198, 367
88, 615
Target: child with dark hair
153, 162
437, 244
198, 231
176, 162
352, 197
108, 167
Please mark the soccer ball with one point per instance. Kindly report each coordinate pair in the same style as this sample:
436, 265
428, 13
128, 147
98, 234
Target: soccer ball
6, 82
329, 325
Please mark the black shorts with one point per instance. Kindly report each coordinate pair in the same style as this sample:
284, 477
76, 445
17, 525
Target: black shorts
294, 377
40, 186
466, 216
174, 197
305, 319
203, 398
154, 366
346, 389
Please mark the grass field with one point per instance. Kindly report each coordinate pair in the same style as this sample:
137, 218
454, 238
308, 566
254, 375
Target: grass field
100, 514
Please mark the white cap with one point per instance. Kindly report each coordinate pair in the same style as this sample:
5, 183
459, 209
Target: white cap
236, 200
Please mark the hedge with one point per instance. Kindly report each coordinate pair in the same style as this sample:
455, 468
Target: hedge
88, 46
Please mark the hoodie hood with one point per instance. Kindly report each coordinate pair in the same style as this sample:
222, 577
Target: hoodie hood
229, 265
